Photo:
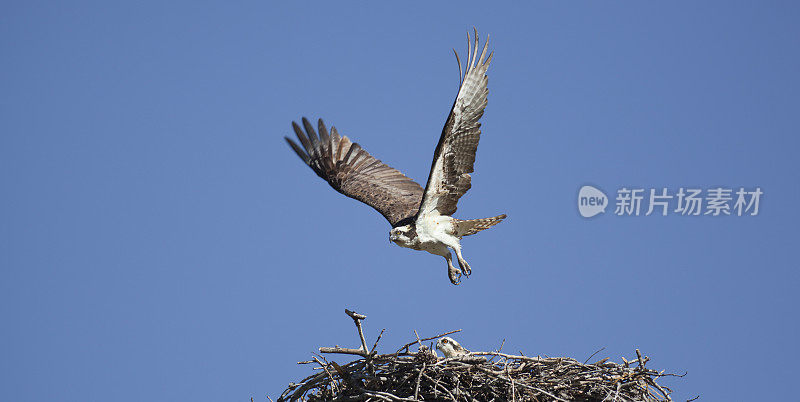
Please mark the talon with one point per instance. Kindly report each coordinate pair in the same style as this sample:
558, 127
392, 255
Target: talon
464, 267
455, 276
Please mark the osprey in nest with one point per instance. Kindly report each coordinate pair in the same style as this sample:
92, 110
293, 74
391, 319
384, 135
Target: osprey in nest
420, 219
450, 347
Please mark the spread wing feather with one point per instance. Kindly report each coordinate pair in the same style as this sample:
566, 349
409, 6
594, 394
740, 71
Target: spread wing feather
352, 171
454, 157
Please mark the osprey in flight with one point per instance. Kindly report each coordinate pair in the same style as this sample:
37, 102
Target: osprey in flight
420, 219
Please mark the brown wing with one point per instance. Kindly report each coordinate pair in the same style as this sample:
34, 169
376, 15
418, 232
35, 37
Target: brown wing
454, 157
355, 173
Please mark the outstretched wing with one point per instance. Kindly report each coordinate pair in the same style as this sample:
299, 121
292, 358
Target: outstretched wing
454, 157
355, 173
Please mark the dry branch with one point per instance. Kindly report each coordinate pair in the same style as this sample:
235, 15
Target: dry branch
421, 375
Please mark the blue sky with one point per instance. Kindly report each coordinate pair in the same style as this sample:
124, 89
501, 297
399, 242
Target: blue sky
160, 242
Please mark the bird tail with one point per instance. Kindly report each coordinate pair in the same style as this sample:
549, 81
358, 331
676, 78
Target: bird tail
472, 226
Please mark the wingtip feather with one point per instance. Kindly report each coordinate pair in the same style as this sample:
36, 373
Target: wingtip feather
323, 132
483, 53
312, 135
460, 74
299, 151
469, 52
301, 136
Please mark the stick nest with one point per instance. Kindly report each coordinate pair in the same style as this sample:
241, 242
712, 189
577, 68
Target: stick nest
479, 376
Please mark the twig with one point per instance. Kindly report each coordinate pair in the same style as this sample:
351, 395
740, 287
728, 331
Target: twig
639, 357
375, 345
498, 350
653, 383
590, 357
324, 367
364, 352
419, 378
513, 388
442, 387
406, 346
345, 351
518, 357
357, 319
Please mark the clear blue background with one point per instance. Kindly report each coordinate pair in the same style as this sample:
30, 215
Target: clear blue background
160, 242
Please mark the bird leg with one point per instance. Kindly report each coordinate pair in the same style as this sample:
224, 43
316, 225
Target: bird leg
452, 272
463, 263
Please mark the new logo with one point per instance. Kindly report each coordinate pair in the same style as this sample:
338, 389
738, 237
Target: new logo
591, 201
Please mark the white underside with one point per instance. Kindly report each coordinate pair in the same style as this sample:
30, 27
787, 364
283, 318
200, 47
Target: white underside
436, 234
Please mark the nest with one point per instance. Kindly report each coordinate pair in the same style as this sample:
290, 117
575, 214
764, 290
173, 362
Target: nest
406, 375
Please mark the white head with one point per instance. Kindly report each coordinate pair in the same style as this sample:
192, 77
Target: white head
450, 347
403, 236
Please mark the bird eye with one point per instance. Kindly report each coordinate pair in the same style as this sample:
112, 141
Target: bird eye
444, 340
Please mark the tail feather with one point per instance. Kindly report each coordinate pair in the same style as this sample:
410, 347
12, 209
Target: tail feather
472, 226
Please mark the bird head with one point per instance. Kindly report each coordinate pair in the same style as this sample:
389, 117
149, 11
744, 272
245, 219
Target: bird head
450, 347
403, 235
